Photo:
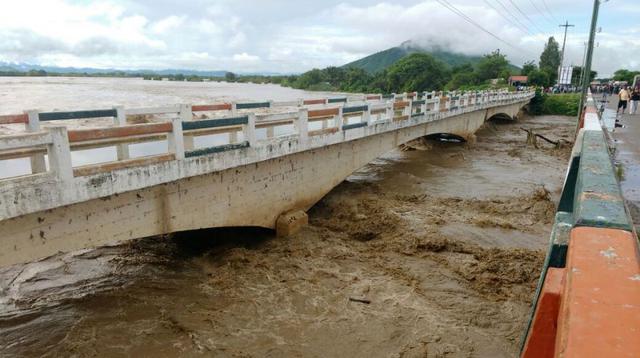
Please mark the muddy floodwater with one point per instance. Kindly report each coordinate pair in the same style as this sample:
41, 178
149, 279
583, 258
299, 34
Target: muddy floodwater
431, 252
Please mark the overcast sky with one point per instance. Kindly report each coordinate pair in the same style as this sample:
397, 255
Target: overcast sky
297, 35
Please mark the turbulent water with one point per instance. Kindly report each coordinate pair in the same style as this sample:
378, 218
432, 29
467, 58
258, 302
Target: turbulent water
69, 93
433, 252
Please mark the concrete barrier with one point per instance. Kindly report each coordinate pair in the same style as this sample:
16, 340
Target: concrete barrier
594, 249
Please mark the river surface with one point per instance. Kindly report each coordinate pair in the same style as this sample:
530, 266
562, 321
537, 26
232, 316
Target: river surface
433, 252
18, 94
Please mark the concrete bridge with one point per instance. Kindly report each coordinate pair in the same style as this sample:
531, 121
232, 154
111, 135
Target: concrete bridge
251, 179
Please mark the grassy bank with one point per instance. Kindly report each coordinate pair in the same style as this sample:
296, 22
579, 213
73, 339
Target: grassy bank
565, 104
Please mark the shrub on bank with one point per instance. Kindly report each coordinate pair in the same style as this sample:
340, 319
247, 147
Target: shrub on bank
562, 104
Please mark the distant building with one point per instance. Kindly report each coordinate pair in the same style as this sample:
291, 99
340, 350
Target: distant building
518, 80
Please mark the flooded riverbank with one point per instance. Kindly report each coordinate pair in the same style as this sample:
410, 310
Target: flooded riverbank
432, 253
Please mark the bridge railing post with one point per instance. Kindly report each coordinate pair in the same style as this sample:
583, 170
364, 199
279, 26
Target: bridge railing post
120, 120
389, 112
249, 130
366, 116
175, 138
302, 125
339, 119
38, 164
186, 115
60, 154
234, 108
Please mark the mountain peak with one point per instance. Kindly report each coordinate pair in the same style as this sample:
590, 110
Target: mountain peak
383, 59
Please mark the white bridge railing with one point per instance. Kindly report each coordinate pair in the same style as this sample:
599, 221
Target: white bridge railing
237, 134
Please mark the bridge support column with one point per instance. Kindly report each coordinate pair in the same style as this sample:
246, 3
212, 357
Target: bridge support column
291, 223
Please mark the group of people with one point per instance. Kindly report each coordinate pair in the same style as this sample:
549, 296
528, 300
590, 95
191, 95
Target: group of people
628, 98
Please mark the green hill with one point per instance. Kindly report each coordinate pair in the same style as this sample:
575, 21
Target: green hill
383, 59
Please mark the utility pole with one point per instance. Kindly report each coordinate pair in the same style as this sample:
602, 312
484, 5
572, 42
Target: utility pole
589, 59
584, 60
564, 43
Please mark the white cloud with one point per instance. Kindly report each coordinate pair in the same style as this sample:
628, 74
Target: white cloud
168, 23
290, 36
245, 57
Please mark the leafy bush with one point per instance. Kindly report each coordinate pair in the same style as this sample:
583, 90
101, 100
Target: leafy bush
565, 104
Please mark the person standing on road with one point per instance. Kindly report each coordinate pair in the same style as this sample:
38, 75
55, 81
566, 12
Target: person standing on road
623, 99
635, 98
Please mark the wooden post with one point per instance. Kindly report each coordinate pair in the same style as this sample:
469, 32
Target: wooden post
38, 164
60, 154
121, 120
249, 130
176, 139
302, 125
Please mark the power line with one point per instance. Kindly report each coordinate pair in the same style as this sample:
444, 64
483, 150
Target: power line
456, 11
525, 16
513, 23
540, 12
512, 15
549, 10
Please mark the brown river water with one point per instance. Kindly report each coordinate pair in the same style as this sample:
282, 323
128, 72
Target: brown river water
432, 252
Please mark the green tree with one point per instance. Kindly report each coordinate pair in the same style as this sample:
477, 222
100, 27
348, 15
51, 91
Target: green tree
464, 68
550, 57
417, 72
356, 80
528, 68
310, 78
230, 77
576, 76
625, 75
334, 75
461, 79
492, 66
540, 78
